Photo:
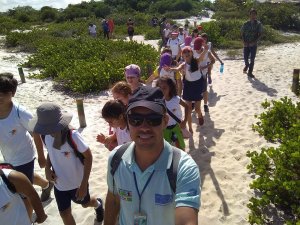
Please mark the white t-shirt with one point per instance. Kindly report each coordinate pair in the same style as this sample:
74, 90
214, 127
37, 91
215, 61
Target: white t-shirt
181, 38
12, 208
92, 29
174, 106
174, 46
123, 136
16, 144
169, 74
191, 76
167, 32
67, 166
204, 62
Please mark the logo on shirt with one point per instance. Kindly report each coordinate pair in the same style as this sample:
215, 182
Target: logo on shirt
67, 154
163, 199
125, 195
13, 132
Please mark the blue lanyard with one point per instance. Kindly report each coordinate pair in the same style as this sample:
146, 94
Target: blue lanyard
137, 189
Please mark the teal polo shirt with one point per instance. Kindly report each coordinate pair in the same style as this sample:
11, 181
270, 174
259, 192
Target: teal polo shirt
158, 201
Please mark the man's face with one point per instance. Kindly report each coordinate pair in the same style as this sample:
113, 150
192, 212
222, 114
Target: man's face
253, 16
145, 134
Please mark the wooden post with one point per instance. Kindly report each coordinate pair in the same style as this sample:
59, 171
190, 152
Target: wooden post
21, 73
295, 85
80, 110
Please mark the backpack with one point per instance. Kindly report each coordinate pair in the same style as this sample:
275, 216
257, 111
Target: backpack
171, 172
9, 185
73, 145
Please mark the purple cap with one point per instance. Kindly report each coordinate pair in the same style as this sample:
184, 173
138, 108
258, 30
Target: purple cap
132, 70
165, 60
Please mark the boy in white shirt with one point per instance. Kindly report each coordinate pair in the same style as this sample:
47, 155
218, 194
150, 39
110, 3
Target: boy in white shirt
64, 166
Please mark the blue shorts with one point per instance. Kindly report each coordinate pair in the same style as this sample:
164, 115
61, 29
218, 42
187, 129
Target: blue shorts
27, 169
64, 198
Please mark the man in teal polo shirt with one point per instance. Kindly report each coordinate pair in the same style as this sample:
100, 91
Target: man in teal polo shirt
140, 193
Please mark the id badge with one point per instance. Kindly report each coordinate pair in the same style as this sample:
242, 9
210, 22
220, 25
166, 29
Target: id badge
140, 219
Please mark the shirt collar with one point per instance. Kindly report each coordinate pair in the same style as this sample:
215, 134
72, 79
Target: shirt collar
159, 164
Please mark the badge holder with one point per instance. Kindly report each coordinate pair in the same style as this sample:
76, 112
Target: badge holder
140, 219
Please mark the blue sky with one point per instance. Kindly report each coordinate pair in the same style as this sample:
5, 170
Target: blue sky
37, 4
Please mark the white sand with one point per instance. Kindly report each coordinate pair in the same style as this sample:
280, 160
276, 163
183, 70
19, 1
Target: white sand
219, 147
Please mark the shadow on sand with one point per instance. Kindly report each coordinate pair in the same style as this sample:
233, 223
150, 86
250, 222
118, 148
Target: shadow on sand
203, 156
260, 86
213, 97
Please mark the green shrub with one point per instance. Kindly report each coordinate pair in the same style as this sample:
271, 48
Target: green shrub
87, 64
277, 169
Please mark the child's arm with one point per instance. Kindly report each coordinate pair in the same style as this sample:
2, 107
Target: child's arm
88, 160
50, 174
175, 69
153, 76
186, 113
178, 83
40, 149
179, 53
23, 186
106, 140
216, 55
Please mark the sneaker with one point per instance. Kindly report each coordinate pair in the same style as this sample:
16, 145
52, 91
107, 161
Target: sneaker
46, 192
251, 75
245, 69
99, 211
206, 109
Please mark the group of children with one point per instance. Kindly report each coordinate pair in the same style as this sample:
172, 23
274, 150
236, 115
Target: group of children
182, 75
67, 165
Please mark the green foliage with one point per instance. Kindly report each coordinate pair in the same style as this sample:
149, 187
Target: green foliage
79, 62
277, 169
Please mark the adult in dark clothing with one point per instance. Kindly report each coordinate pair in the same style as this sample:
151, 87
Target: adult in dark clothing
251, 32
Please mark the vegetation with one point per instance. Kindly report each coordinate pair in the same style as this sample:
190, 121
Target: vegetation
63, 50
277, 169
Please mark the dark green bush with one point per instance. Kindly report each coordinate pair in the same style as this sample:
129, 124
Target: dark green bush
86, 64
277, 169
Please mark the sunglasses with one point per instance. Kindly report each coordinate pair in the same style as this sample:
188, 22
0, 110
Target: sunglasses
152, 120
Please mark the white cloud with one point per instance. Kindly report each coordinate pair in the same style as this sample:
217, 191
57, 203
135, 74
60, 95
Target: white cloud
37, 4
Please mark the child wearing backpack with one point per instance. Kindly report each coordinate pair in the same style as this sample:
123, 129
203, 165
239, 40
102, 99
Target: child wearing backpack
114, 114
16, 144
64, 167
13, 210
173, 133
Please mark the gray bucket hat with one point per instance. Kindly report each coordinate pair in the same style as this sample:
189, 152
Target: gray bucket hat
49, 119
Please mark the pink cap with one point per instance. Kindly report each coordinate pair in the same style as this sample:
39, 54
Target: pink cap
198, 43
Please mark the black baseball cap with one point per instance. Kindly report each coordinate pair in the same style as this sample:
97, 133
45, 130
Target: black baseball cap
148, 97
